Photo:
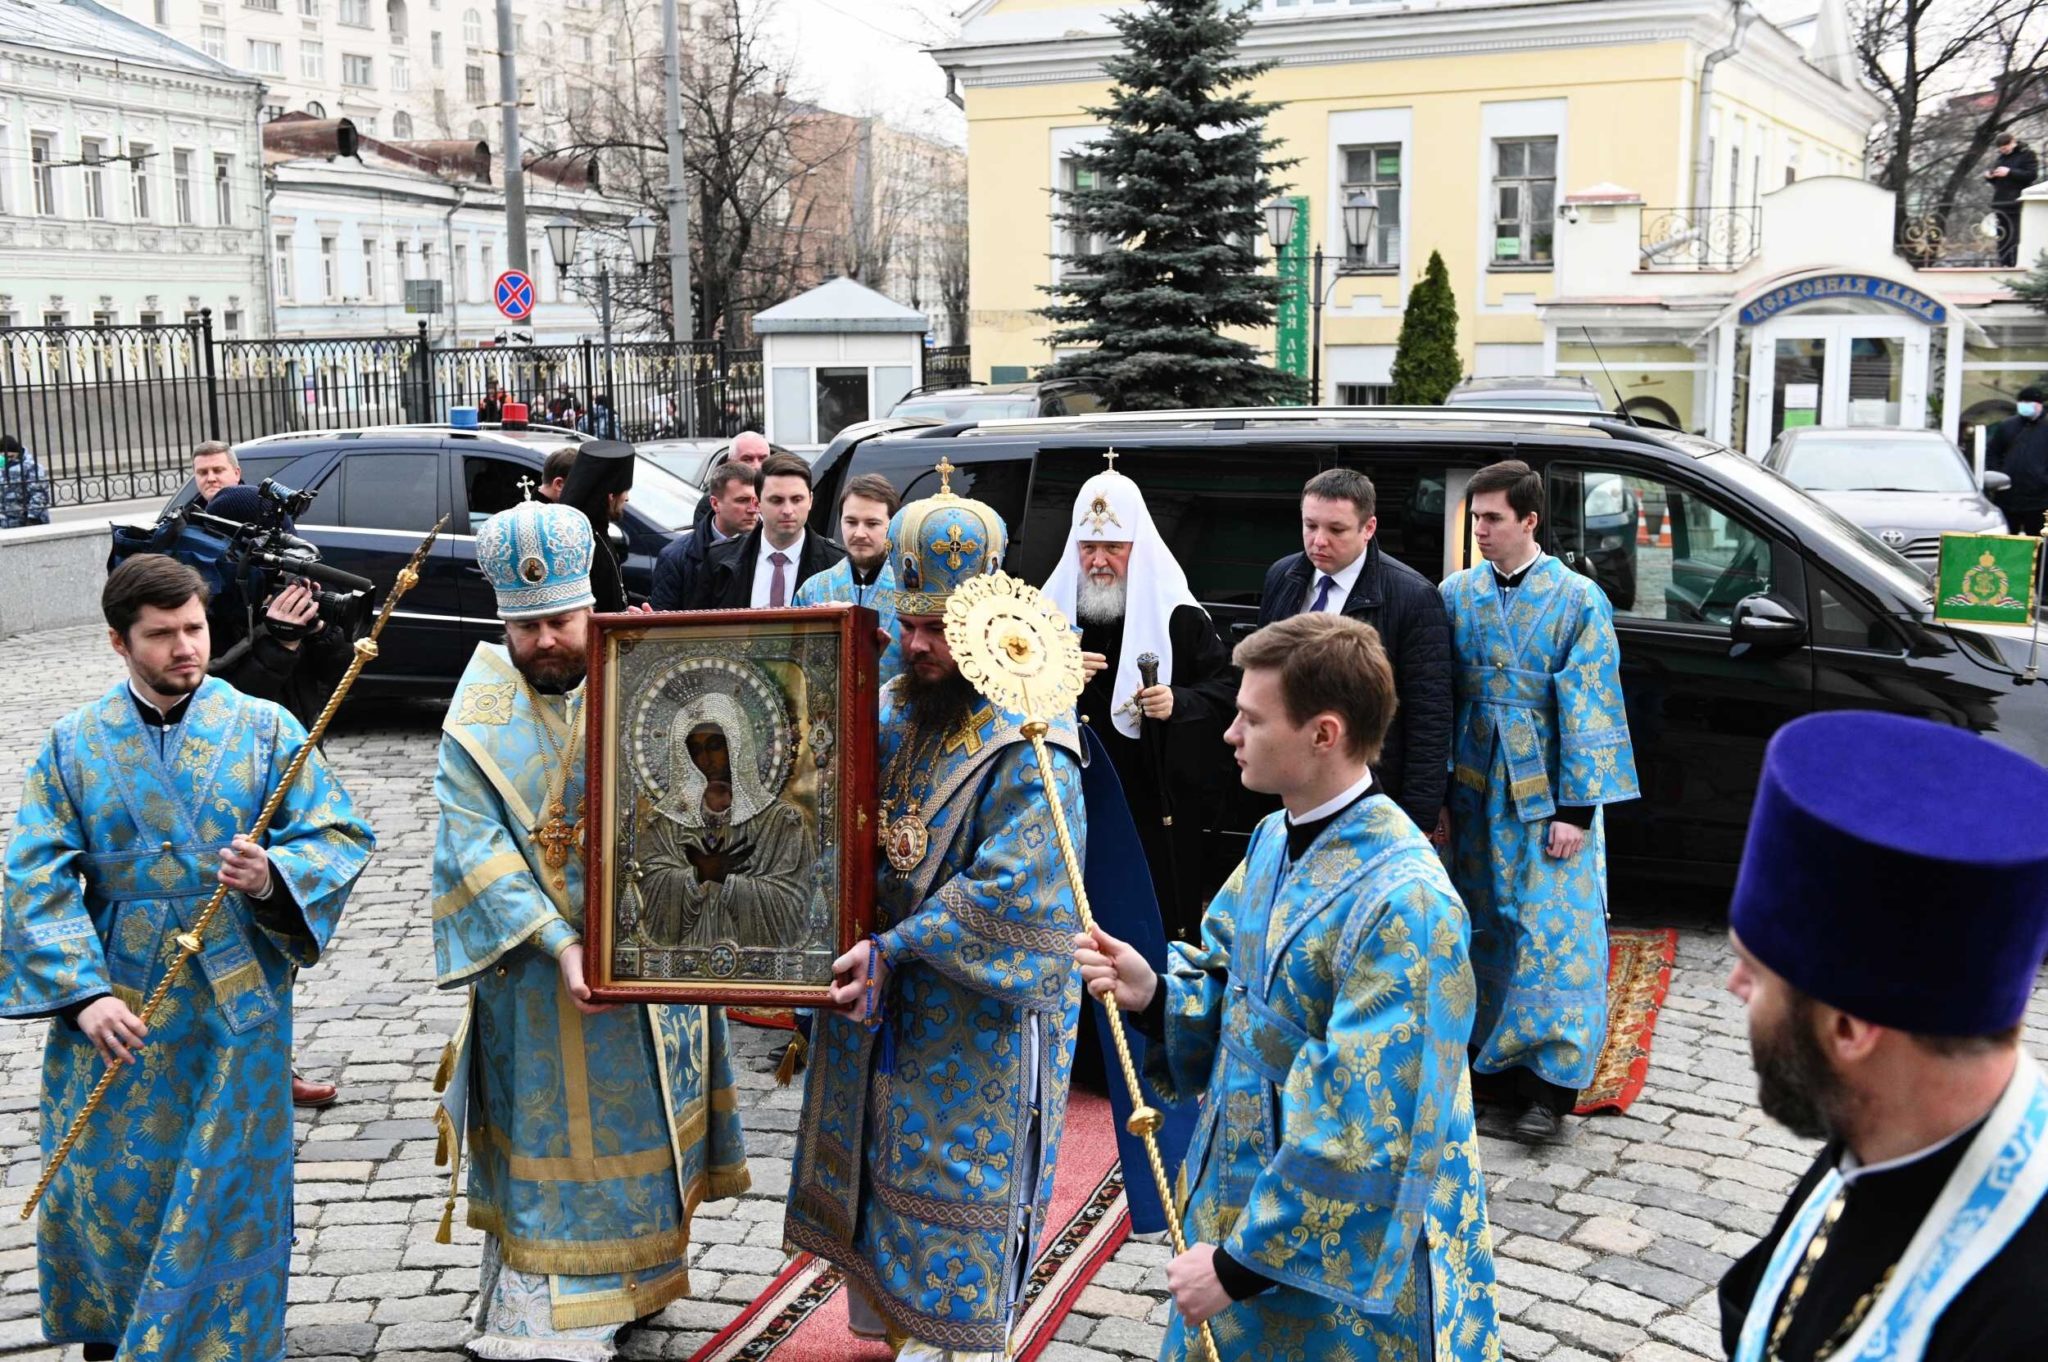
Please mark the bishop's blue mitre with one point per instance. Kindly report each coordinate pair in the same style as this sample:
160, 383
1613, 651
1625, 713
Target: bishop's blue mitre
939, 543
1897, 869
537, 557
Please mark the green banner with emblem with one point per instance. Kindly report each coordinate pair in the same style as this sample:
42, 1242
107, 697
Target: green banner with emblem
1290, 332
1987, 578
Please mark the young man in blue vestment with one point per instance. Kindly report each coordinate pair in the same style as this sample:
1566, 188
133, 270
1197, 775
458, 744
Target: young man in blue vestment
1539, 742
936, 1093
1333, 1197
1888, 924
593, 1130
167, 1235
865, 576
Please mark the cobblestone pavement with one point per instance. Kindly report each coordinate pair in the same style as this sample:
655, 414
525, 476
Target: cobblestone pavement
1607, 1247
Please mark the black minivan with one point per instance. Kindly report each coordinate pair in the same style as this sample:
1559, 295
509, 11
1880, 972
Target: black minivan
1740, 603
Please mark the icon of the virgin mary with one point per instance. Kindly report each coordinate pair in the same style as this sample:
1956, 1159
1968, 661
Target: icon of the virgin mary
725, 857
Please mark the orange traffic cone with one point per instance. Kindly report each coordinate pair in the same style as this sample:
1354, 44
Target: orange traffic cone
1664, 532
1642, 526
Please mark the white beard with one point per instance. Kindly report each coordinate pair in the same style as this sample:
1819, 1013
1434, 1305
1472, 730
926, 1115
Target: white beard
1100, 603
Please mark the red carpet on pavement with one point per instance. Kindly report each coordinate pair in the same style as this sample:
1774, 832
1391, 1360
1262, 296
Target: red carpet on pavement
801, 1317
1638, 976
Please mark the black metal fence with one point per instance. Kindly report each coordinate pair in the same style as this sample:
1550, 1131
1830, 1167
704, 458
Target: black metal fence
1700, 238
112, 413
947, 364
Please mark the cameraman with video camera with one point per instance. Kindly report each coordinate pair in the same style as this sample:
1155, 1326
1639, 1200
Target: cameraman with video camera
277, 648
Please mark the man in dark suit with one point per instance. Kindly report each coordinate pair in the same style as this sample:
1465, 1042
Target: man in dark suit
1342, 571
764, 569
731, 507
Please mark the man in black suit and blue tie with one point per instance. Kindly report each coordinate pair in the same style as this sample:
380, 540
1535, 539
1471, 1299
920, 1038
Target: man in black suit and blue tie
1342, 571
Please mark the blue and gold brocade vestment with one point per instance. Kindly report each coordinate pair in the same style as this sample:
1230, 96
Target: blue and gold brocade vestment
836, 583
591, 1139
169, 1231
1322, 1023
1539, 723
928, 1184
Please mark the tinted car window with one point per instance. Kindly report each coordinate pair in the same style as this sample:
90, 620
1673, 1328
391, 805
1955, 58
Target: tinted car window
492, 485
908, 465
386, 491
1410, 507
1660, 551
1228, 513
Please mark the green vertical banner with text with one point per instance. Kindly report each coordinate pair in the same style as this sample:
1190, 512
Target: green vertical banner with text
1290, 330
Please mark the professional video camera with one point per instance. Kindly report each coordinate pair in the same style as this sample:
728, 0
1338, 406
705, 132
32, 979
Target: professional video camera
245, 549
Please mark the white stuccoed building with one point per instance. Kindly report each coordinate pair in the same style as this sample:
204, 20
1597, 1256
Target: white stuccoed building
130, 174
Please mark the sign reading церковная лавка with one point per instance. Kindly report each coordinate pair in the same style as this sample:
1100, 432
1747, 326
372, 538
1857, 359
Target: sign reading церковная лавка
1824, 288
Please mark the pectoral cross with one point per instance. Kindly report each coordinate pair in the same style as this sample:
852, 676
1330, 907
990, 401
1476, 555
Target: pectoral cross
557, 838
526, 485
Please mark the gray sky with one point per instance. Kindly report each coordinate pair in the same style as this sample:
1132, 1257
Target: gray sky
866, 57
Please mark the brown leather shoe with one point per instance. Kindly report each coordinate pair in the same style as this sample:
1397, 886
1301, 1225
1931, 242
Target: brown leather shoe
306, 1093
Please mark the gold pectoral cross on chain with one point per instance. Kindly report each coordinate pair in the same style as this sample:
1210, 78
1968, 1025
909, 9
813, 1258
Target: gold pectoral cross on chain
557, 838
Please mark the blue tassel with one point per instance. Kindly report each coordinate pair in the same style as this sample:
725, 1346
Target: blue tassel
888, 1061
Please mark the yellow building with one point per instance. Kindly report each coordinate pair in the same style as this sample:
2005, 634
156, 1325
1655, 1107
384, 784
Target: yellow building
1471, 120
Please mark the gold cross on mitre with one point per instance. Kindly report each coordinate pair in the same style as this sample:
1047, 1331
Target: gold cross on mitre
953, 546
1109, 457
944, 468
526, 485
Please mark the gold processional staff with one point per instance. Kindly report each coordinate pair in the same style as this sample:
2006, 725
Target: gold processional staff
1017, 649
190, 942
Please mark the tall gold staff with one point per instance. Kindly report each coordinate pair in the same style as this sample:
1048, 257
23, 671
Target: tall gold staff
190, 942
1016, 648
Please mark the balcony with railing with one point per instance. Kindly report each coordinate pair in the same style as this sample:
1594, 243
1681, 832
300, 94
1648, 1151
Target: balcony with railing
1700, 239
1958, 240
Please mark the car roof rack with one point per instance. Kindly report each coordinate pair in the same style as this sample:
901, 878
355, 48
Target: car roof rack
945, 387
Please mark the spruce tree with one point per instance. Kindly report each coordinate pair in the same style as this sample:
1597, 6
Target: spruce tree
1178, 179
1426, 365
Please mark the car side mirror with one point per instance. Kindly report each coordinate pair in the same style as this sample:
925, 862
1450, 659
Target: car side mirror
1995, 481
1765, 623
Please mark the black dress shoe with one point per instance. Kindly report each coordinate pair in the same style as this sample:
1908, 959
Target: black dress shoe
1538, 1125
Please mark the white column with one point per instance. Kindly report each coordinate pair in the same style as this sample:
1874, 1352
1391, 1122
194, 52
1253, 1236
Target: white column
1721, 420
1952, 378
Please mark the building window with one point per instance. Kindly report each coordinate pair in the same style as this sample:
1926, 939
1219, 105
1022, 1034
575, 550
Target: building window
139, 157
1364, 394
281, 264
56, 319
434, 49
473, 84
309, 9
92, 152
358, 71
315, 109
231, 322
39, 156
490, 259
163, 12
550, 93
459, 285
1073, 176
355, 13
105, 318
313, 60
585, 47
426, 260
1378, 169
266, 59
1524, 199
330, 268
371, 269
579, 101
267, 5
401, 125
213, 41
181, 186
398, 257
224, 189
401, 74
149, 318
395, 21
472, 29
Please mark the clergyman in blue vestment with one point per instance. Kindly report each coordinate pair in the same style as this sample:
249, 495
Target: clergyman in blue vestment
1539, 743
167, 1236
1332, 1194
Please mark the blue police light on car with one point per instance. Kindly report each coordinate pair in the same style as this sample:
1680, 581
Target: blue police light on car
462, 418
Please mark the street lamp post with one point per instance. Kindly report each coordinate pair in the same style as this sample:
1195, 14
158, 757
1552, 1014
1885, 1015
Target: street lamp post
563, 236
1361, 215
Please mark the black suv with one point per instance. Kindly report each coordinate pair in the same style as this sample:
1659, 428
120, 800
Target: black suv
1756, 605
1004, 401
382, 489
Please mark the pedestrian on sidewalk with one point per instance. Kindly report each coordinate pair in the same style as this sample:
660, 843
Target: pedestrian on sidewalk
24, 488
